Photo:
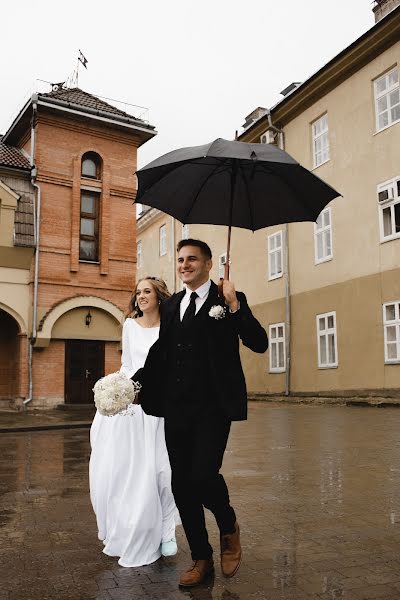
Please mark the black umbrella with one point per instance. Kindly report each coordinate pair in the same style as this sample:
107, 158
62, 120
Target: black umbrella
235, 184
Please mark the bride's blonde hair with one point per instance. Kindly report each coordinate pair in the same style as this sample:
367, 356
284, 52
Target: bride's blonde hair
160, 288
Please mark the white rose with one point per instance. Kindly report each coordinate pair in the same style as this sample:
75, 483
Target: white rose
217, 311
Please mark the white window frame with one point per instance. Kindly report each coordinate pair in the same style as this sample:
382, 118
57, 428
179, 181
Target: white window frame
392, 323
138, 254
163, 240
275, 341
275, 248
185, 232
326, 333
324, 231
385, 95
388, 198
321, 155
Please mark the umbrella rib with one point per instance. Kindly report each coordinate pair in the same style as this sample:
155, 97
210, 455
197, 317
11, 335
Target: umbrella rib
213, 172
246, 185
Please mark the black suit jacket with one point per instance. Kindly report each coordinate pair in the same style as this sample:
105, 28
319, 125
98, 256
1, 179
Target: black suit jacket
227, 383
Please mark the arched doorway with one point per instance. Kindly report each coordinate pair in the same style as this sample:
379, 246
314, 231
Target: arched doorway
9, 357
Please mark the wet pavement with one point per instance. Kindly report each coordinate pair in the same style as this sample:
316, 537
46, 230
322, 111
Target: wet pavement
316, 490
39, 419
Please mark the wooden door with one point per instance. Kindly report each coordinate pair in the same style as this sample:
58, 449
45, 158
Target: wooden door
84, 365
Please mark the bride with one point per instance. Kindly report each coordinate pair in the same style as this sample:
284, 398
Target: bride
129, 471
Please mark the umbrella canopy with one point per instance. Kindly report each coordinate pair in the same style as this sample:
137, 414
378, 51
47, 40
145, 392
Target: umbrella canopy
233, 183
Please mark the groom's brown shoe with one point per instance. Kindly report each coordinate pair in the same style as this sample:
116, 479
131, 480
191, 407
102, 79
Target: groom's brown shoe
197, 573
231, 552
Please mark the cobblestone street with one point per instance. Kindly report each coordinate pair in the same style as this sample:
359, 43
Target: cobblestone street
316, 490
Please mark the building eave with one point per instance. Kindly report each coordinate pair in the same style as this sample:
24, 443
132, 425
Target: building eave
376, 40
21, 122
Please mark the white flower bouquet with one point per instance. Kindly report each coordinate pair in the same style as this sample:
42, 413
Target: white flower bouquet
114, 393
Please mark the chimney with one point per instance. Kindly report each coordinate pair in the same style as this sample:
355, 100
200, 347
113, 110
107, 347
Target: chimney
383, 8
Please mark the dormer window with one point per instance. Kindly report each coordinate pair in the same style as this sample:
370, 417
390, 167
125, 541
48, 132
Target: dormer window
91, 165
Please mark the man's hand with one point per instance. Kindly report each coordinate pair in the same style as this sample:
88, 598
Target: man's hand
228, 289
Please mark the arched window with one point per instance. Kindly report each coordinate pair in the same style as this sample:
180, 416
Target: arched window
91, 165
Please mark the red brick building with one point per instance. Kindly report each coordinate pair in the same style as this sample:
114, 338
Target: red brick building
67, 167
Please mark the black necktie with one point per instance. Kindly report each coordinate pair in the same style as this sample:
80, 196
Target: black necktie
191, 310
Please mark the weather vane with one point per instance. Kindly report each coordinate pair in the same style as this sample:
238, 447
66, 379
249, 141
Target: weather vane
73, 80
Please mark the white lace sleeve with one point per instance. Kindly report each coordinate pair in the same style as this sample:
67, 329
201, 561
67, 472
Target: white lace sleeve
126, 359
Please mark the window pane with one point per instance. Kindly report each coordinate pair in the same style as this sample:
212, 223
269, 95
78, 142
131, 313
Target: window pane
321, 325
330, 322
387, 221
395, 113
396, 209
382, 104
391, 333
274, 357
89, 168
394, 97
87, 250
328, 244
326, 216
383, 119
273, 332
393, 78
381, 85
319, 221
320, 246
88, 203
279, 262
322, 349
331, 346
281, 359
280, 331
390, 312
392, 351
87, 226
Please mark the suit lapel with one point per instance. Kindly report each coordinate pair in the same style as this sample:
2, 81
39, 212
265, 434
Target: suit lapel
169, 310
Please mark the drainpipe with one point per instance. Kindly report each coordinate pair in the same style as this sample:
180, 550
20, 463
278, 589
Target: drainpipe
281, 144
36, 227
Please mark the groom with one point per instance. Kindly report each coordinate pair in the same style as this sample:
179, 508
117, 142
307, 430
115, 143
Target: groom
193, 377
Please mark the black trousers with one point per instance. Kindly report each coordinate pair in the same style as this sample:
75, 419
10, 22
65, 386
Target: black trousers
196, 450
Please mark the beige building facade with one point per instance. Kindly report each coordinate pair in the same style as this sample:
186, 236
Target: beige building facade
328, 293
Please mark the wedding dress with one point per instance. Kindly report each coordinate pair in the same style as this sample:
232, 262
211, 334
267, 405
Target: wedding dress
129, 471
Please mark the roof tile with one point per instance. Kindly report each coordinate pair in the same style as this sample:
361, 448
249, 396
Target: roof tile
13, 157
86, 100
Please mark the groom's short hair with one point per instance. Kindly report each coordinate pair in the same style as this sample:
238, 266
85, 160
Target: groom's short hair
205, 248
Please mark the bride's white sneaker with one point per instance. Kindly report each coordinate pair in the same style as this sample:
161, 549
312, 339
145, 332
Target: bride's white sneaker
169, 548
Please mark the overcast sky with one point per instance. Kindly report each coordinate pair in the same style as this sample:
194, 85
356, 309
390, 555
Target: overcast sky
200, 67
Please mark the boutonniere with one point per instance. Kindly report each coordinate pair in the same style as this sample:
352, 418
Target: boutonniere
217, 312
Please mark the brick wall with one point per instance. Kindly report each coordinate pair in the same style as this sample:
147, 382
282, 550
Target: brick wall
48, 374
112, 358
60, 145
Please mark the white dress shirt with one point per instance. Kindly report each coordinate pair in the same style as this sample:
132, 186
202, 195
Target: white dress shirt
202, 293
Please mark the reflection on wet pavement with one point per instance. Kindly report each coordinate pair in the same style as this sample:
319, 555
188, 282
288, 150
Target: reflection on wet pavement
316, 490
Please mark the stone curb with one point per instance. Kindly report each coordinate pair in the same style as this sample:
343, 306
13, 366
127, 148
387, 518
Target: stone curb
45, 427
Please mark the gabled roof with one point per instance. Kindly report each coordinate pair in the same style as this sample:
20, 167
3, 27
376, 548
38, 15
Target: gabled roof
13, 157
81, 105
84, 99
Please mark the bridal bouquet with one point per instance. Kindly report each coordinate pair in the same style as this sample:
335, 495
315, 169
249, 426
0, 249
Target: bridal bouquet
114, 393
